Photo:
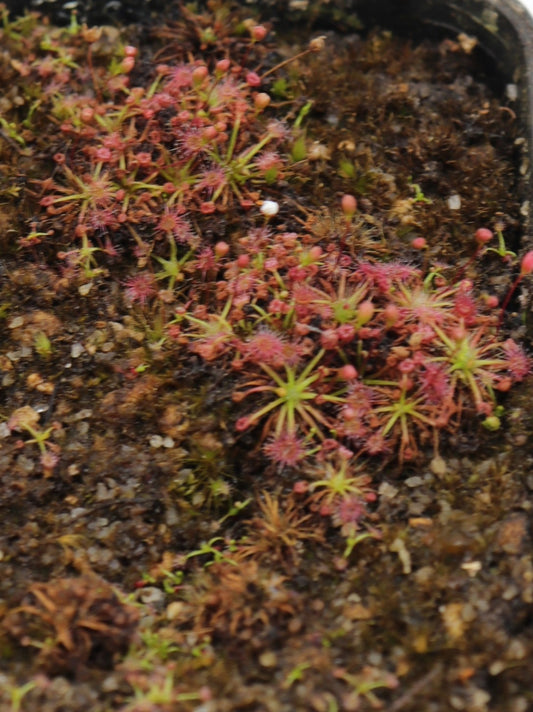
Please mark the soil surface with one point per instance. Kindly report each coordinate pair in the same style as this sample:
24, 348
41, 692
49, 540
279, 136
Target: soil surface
159, 549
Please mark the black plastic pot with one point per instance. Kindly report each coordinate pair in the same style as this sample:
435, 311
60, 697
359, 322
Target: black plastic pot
503, 28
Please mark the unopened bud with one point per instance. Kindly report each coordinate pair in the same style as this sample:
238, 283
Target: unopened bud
261, 100
348, 372
419, 243
348, 205
199, 74
365, 312
221, 249
127, 64
258, 32
222, 66
253, 79
483, 235
526, 266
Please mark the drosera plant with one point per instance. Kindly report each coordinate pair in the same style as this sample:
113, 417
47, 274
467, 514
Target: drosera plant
152, 146
378, 354
291, 407
26, 419
194, 140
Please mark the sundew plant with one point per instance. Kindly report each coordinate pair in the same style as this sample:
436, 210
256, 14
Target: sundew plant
179, 176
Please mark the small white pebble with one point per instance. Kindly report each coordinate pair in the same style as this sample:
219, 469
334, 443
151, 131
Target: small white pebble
156, 441
85, 289
454, 202
76, 349
387, 490
82, 414
414, 481
269, 208
438, 466
511, 91
16, 322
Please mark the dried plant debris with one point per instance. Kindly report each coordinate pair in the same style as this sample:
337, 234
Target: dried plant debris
73, 622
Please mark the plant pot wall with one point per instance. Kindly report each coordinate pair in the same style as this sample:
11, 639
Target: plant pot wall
503, 28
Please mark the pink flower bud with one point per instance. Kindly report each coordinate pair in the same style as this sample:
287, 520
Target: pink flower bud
365, 312
300, 487
221, 249
253, 79
87, 114
210, 133
127, 64
348, 205
222, 66
348, 372
261, 100
483, 235
419, 243
199, 74
301, 329
526, 266
391, 314
258, 32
